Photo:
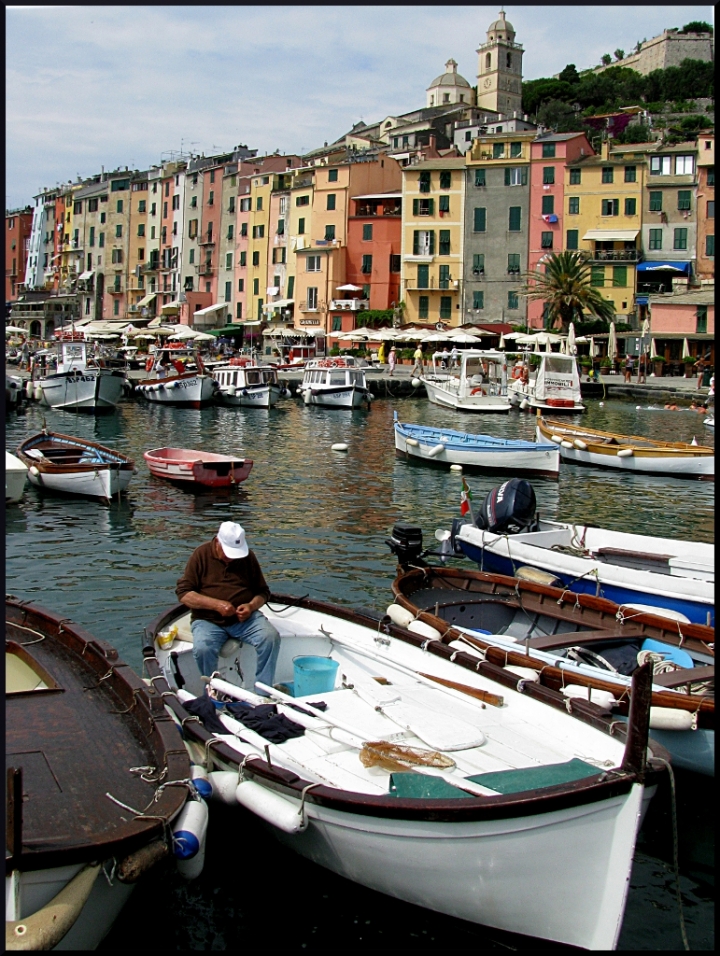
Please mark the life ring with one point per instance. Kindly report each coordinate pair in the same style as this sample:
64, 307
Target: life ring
478, 391
517, 371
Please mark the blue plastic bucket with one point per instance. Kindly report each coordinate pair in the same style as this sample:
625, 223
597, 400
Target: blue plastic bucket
314, 675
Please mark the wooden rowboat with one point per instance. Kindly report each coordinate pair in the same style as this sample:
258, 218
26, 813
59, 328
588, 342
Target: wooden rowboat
468, 785
575, 642
93, 781
198, 467
590, 446
75, 466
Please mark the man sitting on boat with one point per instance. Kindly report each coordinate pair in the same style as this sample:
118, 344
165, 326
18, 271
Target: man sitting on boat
225, 589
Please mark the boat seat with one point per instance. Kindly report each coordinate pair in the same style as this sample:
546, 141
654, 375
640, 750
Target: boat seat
684, 676
426, 787
551, 642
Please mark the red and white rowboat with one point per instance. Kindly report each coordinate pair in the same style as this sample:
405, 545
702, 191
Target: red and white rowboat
199, 467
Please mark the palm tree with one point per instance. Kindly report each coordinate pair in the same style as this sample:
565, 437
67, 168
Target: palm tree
566, 289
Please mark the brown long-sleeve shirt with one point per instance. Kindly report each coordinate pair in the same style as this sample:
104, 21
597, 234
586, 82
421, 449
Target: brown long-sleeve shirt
238, 582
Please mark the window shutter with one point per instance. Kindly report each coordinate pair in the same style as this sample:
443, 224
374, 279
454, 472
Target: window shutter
480, 219
416, 240
523, 175
416, 206
432, 242
431, 207
507, 175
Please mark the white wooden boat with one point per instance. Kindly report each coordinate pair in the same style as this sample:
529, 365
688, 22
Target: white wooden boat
77, 720
478, 385
584, 646
168, 386
625, 568
15, 477
590, 446
75, 466
553, 387
79, 383
197, 467
483, 790
243, 382
483, 452
334, 383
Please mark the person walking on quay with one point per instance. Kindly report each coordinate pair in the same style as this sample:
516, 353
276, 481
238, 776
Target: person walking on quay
418, 367
224, 587
700, 366
25, 355
629, 368
381, 354
642, 368
391, 360
454, 356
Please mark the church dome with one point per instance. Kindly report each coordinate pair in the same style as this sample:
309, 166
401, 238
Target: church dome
450, 77
502, 26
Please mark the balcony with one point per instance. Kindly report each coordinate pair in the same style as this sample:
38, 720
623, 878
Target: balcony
114, 290
615, 255
151, 266
364, 211
349, 305
205, 269
206, 240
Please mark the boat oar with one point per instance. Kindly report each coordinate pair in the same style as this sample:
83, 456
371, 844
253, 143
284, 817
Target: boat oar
495, 700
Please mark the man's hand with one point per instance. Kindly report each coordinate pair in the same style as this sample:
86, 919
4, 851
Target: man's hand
243, 611
225, 608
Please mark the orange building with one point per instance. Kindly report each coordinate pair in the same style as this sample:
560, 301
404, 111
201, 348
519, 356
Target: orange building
18, 224
373, 260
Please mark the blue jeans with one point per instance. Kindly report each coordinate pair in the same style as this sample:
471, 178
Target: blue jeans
208, 638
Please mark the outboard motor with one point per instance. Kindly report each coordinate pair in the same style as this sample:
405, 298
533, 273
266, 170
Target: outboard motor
406, 542
509, 509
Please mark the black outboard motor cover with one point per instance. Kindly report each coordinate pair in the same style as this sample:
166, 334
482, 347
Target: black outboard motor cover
509, 508
406, 542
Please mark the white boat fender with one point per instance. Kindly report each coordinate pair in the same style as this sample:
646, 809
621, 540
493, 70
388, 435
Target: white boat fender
525, 673
579, 443
29, 388
34, 470
38, 392
625, 453
425, 630
230, 647
524, 404
456, 468
603, 698
339, 446
223, 785
557, 439
400, 615
271, 807
200, 781
231, 390
667, 718
436, 450
189, 832
602, 404
416, 383
566, 444
413, 442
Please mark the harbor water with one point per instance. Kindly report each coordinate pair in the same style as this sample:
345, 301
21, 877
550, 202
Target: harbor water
317, 520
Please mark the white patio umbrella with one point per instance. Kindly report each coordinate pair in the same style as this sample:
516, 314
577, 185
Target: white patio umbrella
612, 341
512, 336
204, 337
348, 288
685, 347
562, 347
592, 351
464, 337
412, 335
185, 333
537, 343
143, 335
13, 329
387, 335
359, 334
646, 327
501, 343
570, 344
653, 347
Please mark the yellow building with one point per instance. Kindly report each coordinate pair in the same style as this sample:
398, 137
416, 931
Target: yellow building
603, 217
257, 248
433, 203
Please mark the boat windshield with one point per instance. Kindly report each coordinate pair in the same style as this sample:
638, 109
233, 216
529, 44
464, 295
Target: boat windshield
559, 363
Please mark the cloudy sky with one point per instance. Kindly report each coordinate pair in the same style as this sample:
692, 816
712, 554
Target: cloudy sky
123, 85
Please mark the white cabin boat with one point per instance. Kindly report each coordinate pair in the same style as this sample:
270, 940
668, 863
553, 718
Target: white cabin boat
15, 477
555, 386
479, 385
79, 383
167, 385
243, 382
335, 383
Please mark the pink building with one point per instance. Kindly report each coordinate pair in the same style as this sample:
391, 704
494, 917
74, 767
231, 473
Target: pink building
683, 316
549, 154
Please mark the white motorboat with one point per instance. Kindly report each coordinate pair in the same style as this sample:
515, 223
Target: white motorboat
334, 383
478, 385
15, 477
554, 386
590, 446
472, 794
483, 452
75, 465
79, 383
243, 382
507, 535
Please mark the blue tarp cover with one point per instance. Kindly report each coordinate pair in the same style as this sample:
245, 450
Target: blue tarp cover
667, 265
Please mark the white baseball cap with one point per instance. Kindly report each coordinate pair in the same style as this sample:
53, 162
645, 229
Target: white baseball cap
232, 540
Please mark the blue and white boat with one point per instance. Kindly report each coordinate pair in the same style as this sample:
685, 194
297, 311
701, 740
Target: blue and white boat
625, 568
484, 452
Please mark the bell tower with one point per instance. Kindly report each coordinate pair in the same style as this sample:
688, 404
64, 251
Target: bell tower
499, 81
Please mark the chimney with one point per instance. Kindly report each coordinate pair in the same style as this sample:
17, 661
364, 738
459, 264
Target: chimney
605, 149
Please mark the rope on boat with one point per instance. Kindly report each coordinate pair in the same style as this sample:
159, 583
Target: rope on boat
673, 805
23, 627
310, 786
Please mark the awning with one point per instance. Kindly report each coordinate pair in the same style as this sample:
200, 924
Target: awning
235, 329
682, 267
379, 196
86, 275
146, 299
170, 308
608, 235
211, 308
280, 304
